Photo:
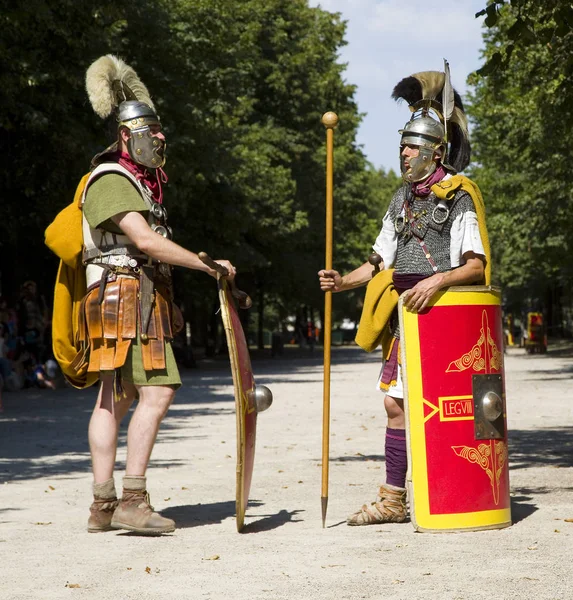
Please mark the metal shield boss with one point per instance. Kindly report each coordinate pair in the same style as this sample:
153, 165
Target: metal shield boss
454, 398
250, 399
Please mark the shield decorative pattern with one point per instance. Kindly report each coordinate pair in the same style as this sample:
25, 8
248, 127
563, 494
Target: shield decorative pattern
458, 474
244, 385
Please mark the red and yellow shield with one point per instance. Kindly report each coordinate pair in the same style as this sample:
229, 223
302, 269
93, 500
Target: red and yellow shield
452, 368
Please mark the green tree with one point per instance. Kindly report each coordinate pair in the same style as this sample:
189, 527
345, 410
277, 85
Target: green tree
240, 88
520, 111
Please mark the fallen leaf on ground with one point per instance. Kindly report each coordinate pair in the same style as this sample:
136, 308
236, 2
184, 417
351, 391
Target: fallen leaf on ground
398, 581
52, 488
147, 569
214, 557
532, 547
568, 520
73, 585
184, 488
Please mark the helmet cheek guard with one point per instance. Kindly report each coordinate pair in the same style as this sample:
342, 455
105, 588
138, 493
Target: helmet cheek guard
146, 149
420, 167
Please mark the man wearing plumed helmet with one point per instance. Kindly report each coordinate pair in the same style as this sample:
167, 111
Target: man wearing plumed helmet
127, 318
430, 243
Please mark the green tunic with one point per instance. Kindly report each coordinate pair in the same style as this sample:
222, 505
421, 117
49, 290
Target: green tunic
110, 195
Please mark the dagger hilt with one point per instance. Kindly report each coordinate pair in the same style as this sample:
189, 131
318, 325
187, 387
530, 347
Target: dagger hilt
375, 259
243, 299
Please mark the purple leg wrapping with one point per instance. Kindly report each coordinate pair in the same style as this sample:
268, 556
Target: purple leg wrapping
396, 457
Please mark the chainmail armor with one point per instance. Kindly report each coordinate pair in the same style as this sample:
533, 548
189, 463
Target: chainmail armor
410, 256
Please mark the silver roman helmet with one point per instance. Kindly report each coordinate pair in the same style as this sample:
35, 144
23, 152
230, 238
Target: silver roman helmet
114, 87
438, 125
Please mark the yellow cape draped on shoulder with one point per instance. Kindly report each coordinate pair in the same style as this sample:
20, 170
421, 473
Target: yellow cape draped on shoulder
65, 238
379, 303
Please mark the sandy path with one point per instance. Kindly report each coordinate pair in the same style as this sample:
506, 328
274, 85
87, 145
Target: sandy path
45, 552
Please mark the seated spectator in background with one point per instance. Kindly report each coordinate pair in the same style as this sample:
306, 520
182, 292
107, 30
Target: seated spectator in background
43, 376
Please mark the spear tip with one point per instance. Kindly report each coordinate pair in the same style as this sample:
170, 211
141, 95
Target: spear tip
324, 502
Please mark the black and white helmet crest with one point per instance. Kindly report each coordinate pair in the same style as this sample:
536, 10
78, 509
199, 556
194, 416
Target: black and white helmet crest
438, 123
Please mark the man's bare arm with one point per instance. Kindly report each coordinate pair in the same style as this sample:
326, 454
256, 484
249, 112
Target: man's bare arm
332, 281
134, 225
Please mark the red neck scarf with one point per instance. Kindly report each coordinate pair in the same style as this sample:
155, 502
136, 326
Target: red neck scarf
422, 188
151, 178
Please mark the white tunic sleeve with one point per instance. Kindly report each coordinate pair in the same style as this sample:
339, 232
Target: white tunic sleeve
386, 244
465, 237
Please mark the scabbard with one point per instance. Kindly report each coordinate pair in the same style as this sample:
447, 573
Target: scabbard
146, 297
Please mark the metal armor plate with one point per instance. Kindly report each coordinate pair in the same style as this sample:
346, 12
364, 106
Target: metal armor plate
454, 399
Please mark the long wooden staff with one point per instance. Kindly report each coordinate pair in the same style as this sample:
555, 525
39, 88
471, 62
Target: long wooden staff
330, 121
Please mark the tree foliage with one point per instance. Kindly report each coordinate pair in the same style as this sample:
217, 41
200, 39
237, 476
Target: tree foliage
240, 88
521, 112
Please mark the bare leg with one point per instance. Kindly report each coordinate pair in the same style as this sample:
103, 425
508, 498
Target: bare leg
395, 411
154, 401
104, 427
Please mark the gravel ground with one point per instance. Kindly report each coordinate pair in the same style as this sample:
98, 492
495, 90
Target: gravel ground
283, 553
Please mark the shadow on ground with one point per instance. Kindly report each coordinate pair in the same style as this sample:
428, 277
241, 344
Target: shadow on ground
551, 446
522, 506
44, 432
